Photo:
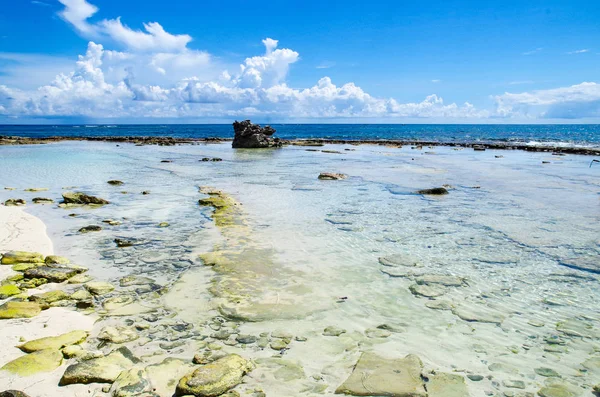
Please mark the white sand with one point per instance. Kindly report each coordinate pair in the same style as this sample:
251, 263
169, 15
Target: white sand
24, 232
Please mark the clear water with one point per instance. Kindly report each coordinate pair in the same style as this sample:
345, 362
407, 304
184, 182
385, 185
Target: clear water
505, 227
571, 134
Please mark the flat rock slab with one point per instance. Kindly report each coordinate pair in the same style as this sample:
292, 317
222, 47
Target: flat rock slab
41, 361
19, 310
99, 370
428, 291
448, 281
377, 376
163, 377
447, 385
52, 274
54, 342
399, 260
478, 314
12, 257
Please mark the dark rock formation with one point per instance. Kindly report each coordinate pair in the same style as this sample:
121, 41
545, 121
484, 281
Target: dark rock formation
82, 198
436, 191
252, 136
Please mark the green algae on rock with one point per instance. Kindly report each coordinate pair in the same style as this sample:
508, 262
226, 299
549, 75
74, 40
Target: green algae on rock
377, 376
39, 361
14, 309
164, 376
52, 274
225, 212
54, 342
14, 257
90, 228
216, 378
49, 297
42, 200
8, 290
130, 382
14, 202
99, 287
99, 370
56, 260
79, 198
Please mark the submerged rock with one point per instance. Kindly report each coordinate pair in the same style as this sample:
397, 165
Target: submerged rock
40, 361
215, 378
130, 383
115, 182
478, 314
333, 331
42, 200
428, 291
436, 191
99, 287
118, 334
14, 309
54, 342
332, 176
446, 385
395, 260
252, 136
13, 257
99, 370
14, 202
82, 198
90, 228
447, 281
377, 376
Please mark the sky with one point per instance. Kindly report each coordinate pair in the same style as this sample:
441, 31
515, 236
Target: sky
440, 61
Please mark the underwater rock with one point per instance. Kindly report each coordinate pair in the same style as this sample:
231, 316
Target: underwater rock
42, 200
115, 182
90, 228
52, 274
36, 189
447, 281
13, 257
118, 334
99, 287
436, 191
377, 333
377, 376
40, 361
399, 260
14, 202
99, 370
428, 291
333, 331
54, 342
253, 136
130, 383
446, 385
439, 305
82, 198
215, 378
332, 176
547, 372
14, 309
49, 297
559, 389
279, 344
478, 314
164, 376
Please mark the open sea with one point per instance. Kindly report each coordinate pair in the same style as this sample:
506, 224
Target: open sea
564, 134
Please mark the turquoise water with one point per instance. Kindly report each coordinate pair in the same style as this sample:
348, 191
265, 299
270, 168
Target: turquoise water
505, 228
572, 134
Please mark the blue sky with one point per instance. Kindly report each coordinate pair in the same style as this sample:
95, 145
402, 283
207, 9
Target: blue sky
376, 61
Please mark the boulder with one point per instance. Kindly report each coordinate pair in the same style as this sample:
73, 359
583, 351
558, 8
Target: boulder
99, 287
82, 198
14, 202
42, 200
52, 274
377, 376
54, 342
99, 370
19, 310
12, 257
115, 182
215, 378
90, 228
49, 297
253, 136
436, 191
40, 361
332, 176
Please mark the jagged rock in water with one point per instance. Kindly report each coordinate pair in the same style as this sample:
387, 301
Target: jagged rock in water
436, 191
252, 136
82, 198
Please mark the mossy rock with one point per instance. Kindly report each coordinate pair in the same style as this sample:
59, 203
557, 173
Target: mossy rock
99, 287
52, 274
40, 361
14, 309
54, 342
13, 257
56, 260
49, 297
82, 199
99, 370
8, 290
21, 267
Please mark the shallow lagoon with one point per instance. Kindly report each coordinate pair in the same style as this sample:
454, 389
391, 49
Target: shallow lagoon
311, 250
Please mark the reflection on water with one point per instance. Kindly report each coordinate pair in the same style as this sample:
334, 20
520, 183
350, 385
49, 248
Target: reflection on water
471, 282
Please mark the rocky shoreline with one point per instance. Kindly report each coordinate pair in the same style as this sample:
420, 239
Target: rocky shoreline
416, 144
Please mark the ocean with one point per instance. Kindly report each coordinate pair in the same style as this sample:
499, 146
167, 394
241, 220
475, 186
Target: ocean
562, 135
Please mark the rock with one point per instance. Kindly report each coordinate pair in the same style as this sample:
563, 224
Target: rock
80, 279
13, 393
121, 242
130, 383
14, 309
514, 384
49, 297
56, 260
82, 198
118, 334
8, 290
395, 260
164, 376
576, 327
447, 281
439, 305
99, 287
211, 159
377, 333
163, 224
547, 372
332, 176
40, 361
252, 136
54, 342
377, 376
90, 228
12, 257
280, 334
36, 189
52, 274
428, 291
42, 200
215, 378
475, 378
478, 314
14, 202
99, 370
557, 389
111, 222
245, 339
436, 191
129, 281
446, 385
146, 192
115, 182
333, 331
279, 344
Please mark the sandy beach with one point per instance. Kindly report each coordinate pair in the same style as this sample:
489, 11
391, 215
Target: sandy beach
350, 273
